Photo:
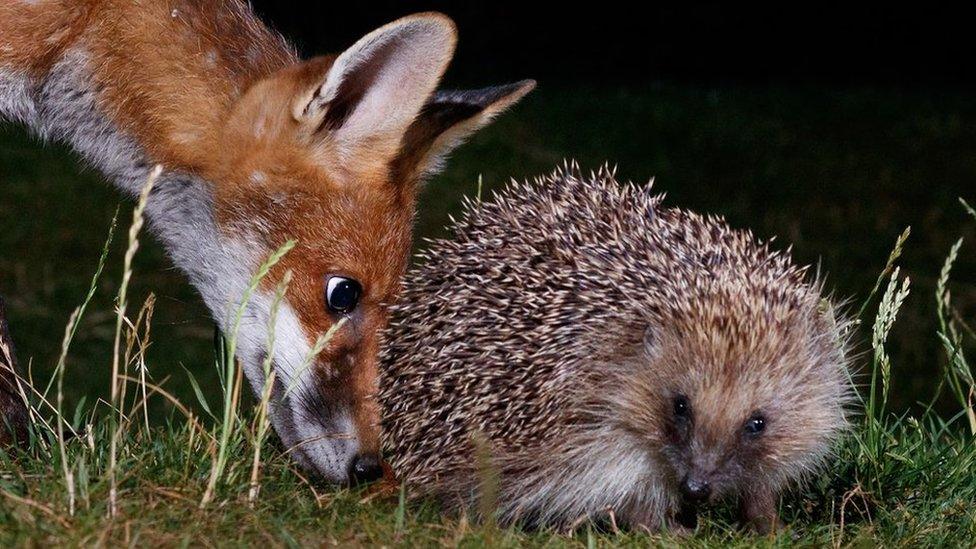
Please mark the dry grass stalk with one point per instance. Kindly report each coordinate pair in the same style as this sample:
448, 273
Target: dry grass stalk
69, 479
232, 373
262, 420
122, 303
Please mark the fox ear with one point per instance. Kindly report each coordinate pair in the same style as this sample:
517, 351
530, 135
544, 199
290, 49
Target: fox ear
446, 120
374, 90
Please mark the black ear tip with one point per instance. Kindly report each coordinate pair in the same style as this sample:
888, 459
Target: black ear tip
526, 85
515, 91
508, 94
475, 101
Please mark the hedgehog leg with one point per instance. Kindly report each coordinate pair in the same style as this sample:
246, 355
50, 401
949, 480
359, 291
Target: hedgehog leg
757, 510
652, 519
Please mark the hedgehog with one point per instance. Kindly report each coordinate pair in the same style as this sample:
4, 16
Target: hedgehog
602, 356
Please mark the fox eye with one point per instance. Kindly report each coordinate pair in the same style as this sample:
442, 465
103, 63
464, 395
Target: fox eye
755, 425
342, 294
682, 408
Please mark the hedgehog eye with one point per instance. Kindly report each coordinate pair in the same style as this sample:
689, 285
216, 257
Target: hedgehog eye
755, 425
682, 408
342, 294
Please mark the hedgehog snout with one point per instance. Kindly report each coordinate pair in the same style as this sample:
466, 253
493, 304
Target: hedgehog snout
695, 489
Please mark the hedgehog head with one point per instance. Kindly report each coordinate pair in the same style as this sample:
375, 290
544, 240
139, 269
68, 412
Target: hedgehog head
739, 392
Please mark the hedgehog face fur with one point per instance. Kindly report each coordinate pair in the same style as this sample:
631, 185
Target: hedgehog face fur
609, 355
705, 395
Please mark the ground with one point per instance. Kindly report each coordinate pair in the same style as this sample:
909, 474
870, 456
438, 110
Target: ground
837, 173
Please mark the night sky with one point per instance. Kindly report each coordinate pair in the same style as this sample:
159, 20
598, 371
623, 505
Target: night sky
916, 44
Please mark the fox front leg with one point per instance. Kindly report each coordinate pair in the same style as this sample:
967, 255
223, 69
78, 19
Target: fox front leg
13, 413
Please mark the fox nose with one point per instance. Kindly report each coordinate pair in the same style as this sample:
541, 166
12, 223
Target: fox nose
365, 469
695, 490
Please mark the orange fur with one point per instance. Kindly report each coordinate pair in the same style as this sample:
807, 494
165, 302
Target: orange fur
327, 152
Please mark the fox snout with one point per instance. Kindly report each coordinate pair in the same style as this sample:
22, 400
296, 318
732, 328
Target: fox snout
366, 466
366, 469
348, 380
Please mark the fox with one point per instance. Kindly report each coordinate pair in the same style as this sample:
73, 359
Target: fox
259, 147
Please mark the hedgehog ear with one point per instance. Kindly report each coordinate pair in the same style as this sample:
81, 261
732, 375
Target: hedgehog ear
446, 120
650, 342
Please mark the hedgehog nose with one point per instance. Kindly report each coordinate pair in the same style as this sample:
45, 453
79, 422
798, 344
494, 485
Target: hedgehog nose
695, 490
365, 469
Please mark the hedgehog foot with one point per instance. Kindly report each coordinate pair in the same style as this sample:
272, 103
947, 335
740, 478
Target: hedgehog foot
757, 510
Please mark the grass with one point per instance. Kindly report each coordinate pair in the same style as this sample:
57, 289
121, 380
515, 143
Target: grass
905, 475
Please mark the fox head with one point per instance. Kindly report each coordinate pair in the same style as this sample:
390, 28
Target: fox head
259, 148
331, 153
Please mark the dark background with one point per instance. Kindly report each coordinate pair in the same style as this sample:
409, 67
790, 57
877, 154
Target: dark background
614, 42
830, 127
